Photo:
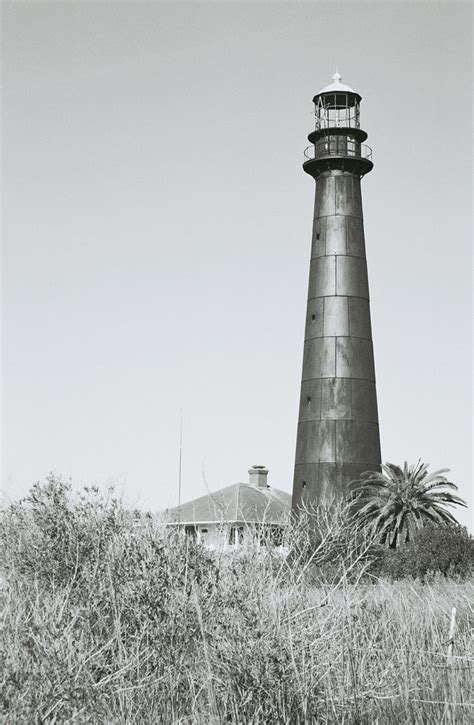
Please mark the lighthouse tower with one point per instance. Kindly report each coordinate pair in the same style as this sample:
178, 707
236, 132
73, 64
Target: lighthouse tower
338, 433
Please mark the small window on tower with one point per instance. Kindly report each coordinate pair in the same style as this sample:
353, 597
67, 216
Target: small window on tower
313, 317
303, 485
308, 400
317, 236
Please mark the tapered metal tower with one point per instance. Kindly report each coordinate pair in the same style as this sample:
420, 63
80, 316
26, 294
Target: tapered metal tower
338, 433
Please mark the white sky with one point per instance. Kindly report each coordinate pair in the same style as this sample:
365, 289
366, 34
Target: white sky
157, 225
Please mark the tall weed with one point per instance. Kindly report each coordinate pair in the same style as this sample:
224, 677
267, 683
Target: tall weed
104, 622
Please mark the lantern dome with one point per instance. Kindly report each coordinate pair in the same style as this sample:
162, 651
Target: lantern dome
336, 86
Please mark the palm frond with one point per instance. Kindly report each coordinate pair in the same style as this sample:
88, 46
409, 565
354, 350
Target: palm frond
440, 484
418, 471
435, 475
447, 498
392, 471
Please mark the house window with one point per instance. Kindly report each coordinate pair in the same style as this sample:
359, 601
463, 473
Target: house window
191, 531
277, 535
270, 535
236, 535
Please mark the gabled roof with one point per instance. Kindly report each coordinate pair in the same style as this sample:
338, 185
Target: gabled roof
238, 503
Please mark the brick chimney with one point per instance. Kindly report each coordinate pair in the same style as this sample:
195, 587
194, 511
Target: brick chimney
258, 476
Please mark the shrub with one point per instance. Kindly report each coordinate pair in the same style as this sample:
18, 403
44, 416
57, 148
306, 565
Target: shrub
51, 535
434, 549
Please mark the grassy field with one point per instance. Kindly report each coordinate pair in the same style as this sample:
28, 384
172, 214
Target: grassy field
106, 623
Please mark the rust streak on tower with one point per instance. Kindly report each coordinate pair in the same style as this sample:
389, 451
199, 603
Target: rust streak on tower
338, 433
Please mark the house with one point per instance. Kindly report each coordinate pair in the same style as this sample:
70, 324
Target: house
229, 515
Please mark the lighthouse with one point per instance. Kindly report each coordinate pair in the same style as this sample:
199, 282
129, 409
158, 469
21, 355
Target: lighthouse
338, 433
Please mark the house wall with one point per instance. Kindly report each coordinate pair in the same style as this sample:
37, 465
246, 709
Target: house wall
217, 535
212, 535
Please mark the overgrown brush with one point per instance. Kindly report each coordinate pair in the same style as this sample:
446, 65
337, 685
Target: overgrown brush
104, 622
434, 549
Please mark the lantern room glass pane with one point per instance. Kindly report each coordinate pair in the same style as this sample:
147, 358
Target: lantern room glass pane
337, 110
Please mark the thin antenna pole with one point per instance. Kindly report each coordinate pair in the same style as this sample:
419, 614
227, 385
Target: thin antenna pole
180, 461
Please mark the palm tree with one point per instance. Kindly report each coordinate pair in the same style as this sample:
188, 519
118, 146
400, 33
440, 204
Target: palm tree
392, 503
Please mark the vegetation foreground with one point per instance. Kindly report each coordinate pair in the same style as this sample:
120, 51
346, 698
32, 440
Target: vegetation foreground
104, 622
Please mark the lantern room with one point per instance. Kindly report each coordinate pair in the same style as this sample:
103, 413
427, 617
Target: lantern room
337, 106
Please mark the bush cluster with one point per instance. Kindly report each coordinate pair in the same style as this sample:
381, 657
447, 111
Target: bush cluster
445, 550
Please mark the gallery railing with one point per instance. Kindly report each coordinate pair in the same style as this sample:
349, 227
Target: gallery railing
339, 146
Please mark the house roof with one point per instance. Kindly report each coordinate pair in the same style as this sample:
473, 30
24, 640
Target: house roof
238, 503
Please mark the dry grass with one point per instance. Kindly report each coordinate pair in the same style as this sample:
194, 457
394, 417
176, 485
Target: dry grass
103, 623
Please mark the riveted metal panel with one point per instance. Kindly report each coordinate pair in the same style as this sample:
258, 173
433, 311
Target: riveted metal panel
320, 440
364, 401
318, 246
325, 202
352, 277
354, 358
310, 400
319, 358
336, 395
328, 484
316, 441
314, 318
357, 441
343, 194
322, 278
301, 440
359, 317
357, 197
305, 484
348, 198
355, 243
336, 235
336, 316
